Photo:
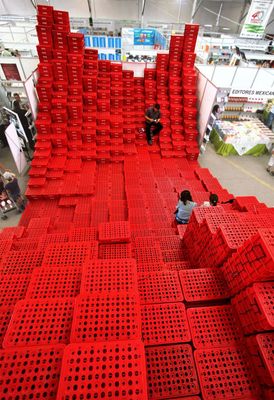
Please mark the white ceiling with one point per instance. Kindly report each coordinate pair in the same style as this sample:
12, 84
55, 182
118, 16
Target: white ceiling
165, 11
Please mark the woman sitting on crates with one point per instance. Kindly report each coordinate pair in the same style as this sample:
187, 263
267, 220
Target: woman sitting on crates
184, 207
13, 189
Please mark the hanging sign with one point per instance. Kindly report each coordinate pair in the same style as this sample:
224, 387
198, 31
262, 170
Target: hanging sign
257, 18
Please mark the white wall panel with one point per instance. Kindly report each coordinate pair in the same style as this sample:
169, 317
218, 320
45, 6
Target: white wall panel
264, 79
244, 77
223, 76
76, 8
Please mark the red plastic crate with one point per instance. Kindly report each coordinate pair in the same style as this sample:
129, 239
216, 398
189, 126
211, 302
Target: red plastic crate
106, 317
214, 326
177, 265
171, 371
47, 239
115, 250
20, 262
83, 234
67, 254
253, 261
261, 349
114, 232
159, 287
59, 282
39, 322
164, 323
31, 372
13, 288
109, 275
205, 284
148, 254
226, 373
5, 316
114, 369
255, 307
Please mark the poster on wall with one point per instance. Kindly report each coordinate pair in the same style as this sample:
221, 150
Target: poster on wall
11, 72
257, 18
144, 37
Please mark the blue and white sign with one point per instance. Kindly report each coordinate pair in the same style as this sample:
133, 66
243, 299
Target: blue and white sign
144, 37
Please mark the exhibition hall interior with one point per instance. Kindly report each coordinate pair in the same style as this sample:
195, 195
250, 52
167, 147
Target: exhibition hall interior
137, 199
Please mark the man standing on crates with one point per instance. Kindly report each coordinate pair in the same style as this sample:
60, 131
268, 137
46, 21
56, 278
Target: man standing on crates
152, 117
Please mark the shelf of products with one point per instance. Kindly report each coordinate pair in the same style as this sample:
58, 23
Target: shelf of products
241, 137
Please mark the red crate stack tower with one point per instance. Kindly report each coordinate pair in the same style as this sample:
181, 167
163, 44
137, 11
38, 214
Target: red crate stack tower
189, 80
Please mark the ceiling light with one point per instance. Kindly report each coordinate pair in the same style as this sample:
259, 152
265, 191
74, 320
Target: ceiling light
226, 29
208, 26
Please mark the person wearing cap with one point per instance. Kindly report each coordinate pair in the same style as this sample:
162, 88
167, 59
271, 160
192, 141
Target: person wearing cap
13, 189
152, 117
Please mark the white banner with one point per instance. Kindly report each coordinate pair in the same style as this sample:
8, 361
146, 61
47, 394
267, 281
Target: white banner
257, 18
16, 148
252, 95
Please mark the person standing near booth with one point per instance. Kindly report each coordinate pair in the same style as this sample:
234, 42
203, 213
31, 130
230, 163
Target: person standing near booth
153, 117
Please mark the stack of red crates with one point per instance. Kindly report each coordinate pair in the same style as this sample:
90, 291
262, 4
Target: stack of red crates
189, 91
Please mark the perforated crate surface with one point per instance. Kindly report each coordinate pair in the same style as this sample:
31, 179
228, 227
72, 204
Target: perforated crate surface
173, 255
31, 372
115, 250
38, 223
83, 234
13, 288
20, 262
226, 373
214, 326
62, 282
177, 265
45, 240
159, 287
114, 370
264, 299
203, 284
114, 232
151, 267
171, 371
5, 316
5, 246
148, 254
109, 275
37, 322
67, 254
103, 317
266, 345
164, 323
170, 242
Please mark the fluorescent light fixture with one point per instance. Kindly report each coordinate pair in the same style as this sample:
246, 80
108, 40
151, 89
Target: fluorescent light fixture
226, 29
208, 25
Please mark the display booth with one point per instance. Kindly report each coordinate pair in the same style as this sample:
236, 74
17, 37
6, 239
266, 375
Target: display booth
241, 94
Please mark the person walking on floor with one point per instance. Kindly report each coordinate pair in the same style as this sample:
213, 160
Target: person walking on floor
152, 117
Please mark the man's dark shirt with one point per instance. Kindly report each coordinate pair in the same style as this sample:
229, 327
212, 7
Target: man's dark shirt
151, 113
